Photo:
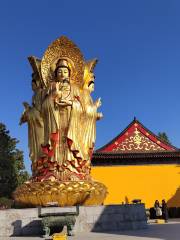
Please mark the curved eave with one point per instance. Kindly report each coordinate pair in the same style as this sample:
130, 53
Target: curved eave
142, 158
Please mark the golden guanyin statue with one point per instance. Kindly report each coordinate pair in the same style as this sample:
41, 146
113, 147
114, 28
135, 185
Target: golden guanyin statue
61, 129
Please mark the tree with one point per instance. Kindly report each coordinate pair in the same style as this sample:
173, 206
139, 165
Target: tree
163, 136
12, 169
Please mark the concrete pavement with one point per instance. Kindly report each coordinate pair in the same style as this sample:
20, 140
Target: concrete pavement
166, 231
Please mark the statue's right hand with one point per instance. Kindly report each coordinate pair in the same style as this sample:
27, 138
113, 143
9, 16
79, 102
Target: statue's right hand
57, 85
58, 90
98, 103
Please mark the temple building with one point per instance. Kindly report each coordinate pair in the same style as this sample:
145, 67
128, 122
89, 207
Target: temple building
137, 164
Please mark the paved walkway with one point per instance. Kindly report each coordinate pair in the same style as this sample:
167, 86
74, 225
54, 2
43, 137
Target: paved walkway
166, 231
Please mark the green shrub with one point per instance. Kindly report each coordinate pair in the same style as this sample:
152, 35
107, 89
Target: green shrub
5, 203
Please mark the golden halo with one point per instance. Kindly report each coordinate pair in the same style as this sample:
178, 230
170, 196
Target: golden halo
63, 48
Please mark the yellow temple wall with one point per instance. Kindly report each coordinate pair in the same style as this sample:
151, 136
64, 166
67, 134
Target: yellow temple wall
148, 183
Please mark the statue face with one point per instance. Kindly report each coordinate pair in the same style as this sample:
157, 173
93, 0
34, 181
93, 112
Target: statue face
36, 82
91, 87
62, 73
92, 77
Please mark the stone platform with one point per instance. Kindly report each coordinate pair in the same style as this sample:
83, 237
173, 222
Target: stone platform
19, 222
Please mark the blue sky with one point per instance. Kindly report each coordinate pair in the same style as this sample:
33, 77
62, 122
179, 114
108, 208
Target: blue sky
137, 43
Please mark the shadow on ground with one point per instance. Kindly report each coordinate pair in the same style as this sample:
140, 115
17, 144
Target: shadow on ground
33, 228
167, 231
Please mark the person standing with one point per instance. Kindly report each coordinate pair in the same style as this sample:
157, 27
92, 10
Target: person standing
164, 211
157, 209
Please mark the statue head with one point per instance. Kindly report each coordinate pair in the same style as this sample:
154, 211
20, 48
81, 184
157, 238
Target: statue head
36, 75
89, 74
62, 71
36, 82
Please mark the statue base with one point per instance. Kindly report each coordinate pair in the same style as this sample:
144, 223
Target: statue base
61, 193
103, 219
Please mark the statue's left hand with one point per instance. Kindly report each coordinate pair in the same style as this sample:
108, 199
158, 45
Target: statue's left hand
99, 115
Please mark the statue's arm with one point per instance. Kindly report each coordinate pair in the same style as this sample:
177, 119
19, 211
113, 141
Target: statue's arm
64, 103
23, 118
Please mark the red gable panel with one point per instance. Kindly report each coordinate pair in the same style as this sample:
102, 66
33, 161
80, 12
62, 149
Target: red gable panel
136, 138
